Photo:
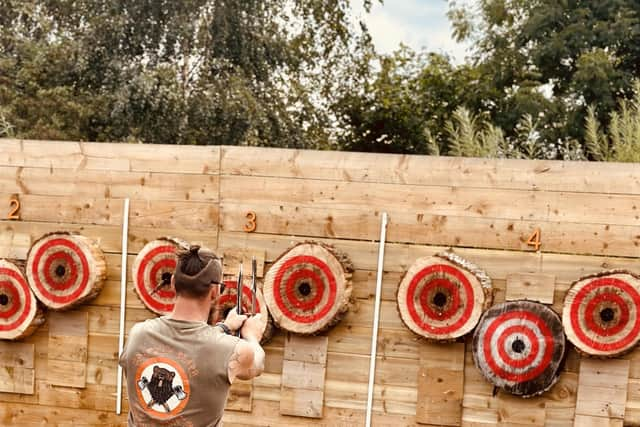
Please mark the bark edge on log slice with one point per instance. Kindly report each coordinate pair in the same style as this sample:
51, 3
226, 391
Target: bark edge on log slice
20, 312
308, 288
442, 297
152, 270
228, 299
600, 313
519, 346
65, 269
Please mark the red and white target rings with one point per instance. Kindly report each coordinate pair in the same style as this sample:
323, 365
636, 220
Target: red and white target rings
441, 298
65, 269
600, 313
519, 346
19, 313
152, 270
308, 288
228, 300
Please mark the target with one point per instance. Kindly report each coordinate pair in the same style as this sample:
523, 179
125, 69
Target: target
441, 298
228, 299
65, 269
152, 270
600, 313
308, 288
19, 313
519, 346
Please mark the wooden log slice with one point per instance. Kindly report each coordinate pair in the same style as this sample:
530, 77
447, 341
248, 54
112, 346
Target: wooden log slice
152, 270
600, 313
308, 289
519, 346
65, 270
20, 315
441, 298
228, 299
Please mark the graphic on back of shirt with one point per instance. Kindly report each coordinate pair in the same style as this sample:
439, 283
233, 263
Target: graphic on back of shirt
162, 387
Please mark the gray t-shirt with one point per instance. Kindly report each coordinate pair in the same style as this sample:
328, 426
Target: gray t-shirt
177, 373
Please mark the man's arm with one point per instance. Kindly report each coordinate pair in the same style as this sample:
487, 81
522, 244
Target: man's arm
247, 360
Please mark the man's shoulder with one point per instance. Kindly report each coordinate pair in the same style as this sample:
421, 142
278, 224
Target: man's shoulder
146, 325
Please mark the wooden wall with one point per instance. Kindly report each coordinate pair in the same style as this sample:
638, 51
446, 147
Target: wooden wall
588, 214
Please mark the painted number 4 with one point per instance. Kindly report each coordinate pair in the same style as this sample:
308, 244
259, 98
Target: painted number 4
534, 239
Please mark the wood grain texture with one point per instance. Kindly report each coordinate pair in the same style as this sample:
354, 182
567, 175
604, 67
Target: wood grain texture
531, 286
485, 208
68, 348
440, 384
17, 373
602, 388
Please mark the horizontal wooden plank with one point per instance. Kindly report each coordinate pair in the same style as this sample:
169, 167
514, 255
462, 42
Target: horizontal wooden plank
22, 414
398, 257
124, 157
455, 231
594, 177
16, 237
596, 208
108, 211
109, 184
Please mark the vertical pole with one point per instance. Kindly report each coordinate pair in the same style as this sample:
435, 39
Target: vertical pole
376, 317
123, 298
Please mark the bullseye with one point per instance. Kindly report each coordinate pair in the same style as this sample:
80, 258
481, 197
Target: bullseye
152, 270
441, 298
227, 301
518, 346
65, 269
19, 312
307, 289
600, 313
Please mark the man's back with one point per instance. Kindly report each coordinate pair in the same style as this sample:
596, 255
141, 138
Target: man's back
177, 372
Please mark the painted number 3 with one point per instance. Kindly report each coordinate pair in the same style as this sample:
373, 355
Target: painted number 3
250, 226
14, 208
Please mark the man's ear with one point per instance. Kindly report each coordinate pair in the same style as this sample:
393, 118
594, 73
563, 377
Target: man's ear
173, 282
213, 292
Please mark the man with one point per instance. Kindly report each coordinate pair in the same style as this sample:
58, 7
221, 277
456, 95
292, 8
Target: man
178, 368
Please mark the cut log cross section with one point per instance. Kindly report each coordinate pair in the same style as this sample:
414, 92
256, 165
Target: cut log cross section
308, 288
19, 313
152, 270
227, 301
600, 313
441, 298
65, 270
519, 347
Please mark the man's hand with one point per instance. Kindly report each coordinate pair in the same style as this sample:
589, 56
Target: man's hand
234, 321
254, 327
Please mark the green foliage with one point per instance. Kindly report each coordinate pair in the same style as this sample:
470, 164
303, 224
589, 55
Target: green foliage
404, 106
6, 128
187, 72
579, 52
470, 136
622, 141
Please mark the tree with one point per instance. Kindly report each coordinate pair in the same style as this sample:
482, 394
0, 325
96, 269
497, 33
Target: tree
580, 51
404, 105
621, 142
194, 71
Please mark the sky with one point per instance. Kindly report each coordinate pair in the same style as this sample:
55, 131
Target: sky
416, 23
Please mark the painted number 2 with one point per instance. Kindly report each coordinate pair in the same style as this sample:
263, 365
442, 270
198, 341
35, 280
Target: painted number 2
14, 208
534, 239
250, 226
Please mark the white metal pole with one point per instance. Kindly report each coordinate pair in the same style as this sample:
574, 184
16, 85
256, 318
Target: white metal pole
123, 299
376, 317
